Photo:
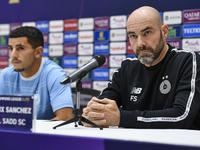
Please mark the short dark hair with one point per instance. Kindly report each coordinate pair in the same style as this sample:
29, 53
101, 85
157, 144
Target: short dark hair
34, 35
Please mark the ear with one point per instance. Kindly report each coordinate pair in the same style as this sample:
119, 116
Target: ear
38, 51
165, 31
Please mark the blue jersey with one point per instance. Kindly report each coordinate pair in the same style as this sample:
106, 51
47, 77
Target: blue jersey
51, 95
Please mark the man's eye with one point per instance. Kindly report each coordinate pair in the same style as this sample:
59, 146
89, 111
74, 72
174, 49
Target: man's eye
148, 32
20, 48
132, 36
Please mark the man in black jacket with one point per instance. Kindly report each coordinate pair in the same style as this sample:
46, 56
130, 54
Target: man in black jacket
160, 88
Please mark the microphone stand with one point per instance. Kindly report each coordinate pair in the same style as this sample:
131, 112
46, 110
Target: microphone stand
77, 115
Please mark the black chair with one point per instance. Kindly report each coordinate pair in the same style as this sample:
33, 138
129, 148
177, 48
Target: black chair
85, 96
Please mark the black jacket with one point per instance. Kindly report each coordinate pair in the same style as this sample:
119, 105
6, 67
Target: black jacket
166, 95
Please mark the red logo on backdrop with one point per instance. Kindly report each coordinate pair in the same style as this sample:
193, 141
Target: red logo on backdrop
71, 25
3, 63
129, 49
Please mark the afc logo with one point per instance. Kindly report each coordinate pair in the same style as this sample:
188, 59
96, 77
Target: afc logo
135, 90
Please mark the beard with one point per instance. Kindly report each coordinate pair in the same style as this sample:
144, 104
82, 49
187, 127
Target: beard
19, 70
148, 58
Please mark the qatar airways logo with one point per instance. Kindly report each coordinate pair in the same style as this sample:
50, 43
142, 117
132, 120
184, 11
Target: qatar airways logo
3, 52
191, 44
101, 22
118, 21
191, 16
70, 49
115, 60
85, 49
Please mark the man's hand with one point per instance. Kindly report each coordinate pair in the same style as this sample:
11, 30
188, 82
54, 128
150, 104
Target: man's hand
103, 112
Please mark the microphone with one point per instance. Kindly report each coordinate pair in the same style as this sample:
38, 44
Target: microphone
95, 62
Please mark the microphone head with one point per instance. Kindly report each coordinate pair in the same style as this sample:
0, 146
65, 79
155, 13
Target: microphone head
100, 59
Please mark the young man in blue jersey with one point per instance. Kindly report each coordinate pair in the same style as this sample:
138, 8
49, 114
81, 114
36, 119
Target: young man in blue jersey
31, 75
160, 88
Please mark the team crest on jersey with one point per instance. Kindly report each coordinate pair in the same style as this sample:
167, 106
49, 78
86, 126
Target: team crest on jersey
165, 85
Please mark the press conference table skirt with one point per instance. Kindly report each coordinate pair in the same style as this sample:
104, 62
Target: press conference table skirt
71, 137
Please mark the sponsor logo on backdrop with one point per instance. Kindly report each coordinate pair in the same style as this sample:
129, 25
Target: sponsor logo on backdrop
191, 16
56, 26
174, 31
111, 71
46, 38
71, 37
172, 17
57, 60
191, 44
71, 25
175, 43
69, 70
3, 62
45, 50
4, 29
101, 36
118, 21
85, 49
3, 40
55, 38
101, 74
82, 60
70, 49
85, 36
30, 24
55, 50
106, 64
87, 77
86, 24
118, 35
4, 52
191, 30
115, 60
101, 22
87, 84
129, 48
101, 48
13, 26
100, 85
70, 62
117, 47
43, 26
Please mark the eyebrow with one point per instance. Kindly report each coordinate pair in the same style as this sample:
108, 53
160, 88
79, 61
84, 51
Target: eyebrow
147, 28
17, 45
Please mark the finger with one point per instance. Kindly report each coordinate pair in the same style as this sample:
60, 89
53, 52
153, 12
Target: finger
91, 101
95, 115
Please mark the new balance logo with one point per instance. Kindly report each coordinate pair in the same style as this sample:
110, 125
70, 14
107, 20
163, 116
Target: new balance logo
136, 90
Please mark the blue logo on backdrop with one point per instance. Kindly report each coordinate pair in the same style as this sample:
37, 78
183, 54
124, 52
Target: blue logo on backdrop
70, 62
101, 36
71, 37
130, 56
161, 14
191, 30
45, 50
101, 74
174, 31
57, 60
102, 48
3, 40
43, 26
